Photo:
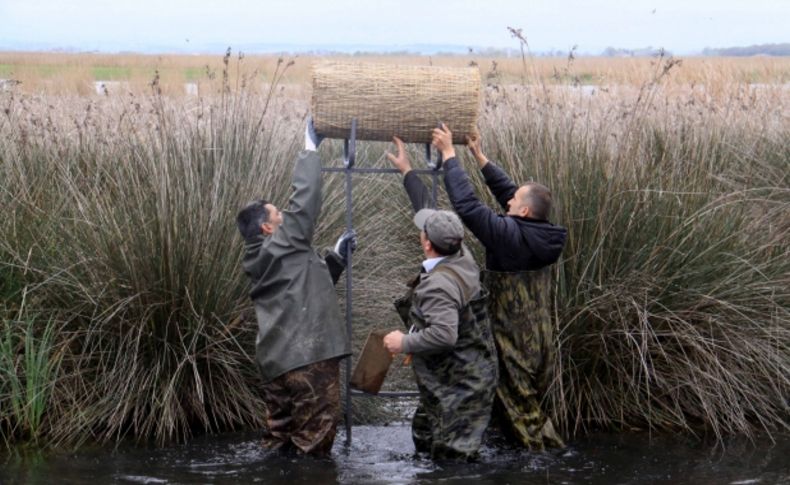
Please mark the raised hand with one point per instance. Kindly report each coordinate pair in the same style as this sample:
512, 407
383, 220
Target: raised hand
442, 139
474, 142
401, 160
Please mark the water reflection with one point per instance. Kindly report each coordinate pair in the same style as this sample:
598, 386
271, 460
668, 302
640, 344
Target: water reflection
384, 454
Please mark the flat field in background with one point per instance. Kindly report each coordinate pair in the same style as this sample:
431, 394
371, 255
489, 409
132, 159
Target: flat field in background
182, 74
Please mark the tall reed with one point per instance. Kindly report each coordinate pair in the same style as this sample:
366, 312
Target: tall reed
123, 230
671, 299
28, 366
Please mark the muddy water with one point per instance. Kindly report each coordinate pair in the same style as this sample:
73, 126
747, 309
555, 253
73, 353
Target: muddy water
384, 454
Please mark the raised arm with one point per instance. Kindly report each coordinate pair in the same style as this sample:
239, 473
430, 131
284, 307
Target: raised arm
418, 193
497, 180
304, 205
499, 184
487, 225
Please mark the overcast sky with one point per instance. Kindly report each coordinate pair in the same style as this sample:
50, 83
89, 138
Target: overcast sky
681, 26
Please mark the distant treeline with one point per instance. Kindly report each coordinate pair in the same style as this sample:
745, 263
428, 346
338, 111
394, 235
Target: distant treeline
752, 50
641, 52
649, 51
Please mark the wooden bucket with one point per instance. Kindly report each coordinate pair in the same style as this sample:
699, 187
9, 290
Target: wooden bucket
373, 364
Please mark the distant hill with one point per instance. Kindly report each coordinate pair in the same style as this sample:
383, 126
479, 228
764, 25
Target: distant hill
143, 47
752, 50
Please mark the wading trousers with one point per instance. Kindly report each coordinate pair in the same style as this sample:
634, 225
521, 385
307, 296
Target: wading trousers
304, 408
524, 335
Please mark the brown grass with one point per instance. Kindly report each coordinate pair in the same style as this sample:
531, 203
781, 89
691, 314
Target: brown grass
56, 73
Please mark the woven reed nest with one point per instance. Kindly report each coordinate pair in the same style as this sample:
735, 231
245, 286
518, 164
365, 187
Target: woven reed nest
387, 100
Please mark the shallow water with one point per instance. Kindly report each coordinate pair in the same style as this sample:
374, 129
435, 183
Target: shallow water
384, 454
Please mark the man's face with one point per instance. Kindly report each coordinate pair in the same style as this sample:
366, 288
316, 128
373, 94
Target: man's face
516, 205
425, 244
274, 220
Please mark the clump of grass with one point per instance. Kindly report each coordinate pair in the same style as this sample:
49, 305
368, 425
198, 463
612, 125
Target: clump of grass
140, 259
671, 298
28, 370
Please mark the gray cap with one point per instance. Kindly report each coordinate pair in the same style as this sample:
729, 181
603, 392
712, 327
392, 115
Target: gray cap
443, 228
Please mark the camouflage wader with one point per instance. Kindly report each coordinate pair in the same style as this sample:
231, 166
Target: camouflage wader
304, 408
457, 386
524, 335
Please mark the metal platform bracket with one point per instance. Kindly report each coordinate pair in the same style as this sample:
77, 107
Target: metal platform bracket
350, 169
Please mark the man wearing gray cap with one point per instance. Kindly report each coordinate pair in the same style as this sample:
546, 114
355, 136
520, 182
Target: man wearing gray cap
454, 358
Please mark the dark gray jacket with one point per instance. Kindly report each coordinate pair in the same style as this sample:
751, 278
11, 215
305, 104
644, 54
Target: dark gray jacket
299, 321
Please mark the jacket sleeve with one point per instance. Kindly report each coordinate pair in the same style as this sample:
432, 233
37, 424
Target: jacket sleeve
439, 305
304, 205
488, 226
418, 193
335, 264
499, 183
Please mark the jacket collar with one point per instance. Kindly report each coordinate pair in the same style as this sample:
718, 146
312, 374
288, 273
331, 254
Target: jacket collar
530, 219
254, 240
431, 263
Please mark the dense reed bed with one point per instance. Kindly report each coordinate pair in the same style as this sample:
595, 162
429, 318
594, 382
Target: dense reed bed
123, 311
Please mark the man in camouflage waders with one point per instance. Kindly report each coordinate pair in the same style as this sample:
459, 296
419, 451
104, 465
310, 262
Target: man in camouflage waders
520, 245
454, 358
301, 334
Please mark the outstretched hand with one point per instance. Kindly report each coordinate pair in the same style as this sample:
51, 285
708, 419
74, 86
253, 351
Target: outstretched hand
442, 139
401, 160
474, 142
348, 240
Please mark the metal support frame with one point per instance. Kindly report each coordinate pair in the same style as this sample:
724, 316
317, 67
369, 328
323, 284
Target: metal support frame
349, 160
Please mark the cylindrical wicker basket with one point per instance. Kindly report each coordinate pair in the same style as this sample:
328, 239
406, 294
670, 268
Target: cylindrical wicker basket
388, 100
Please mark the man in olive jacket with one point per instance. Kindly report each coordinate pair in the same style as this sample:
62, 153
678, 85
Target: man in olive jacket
454, 357
301, 335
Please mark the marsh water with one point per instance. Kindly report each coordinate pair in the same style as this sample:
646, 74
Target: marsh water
384, 454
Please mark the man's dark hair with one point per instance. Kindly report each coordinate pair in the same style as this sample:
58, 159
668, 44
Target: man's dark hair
449, 251
538, 199
250, 218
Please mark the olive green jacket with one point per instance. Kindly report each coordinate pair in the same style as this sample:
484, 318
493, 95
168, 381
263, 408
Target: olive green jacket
456, 371
439, 300
299, 322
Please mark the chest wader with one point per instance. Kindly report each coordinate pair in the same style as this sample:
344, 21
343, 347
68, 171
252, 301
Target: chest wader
456, 386
519, 312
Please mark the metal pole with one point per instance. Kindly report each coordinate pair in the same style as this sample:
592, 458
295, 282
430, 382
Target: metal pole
349, 148
348, 169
